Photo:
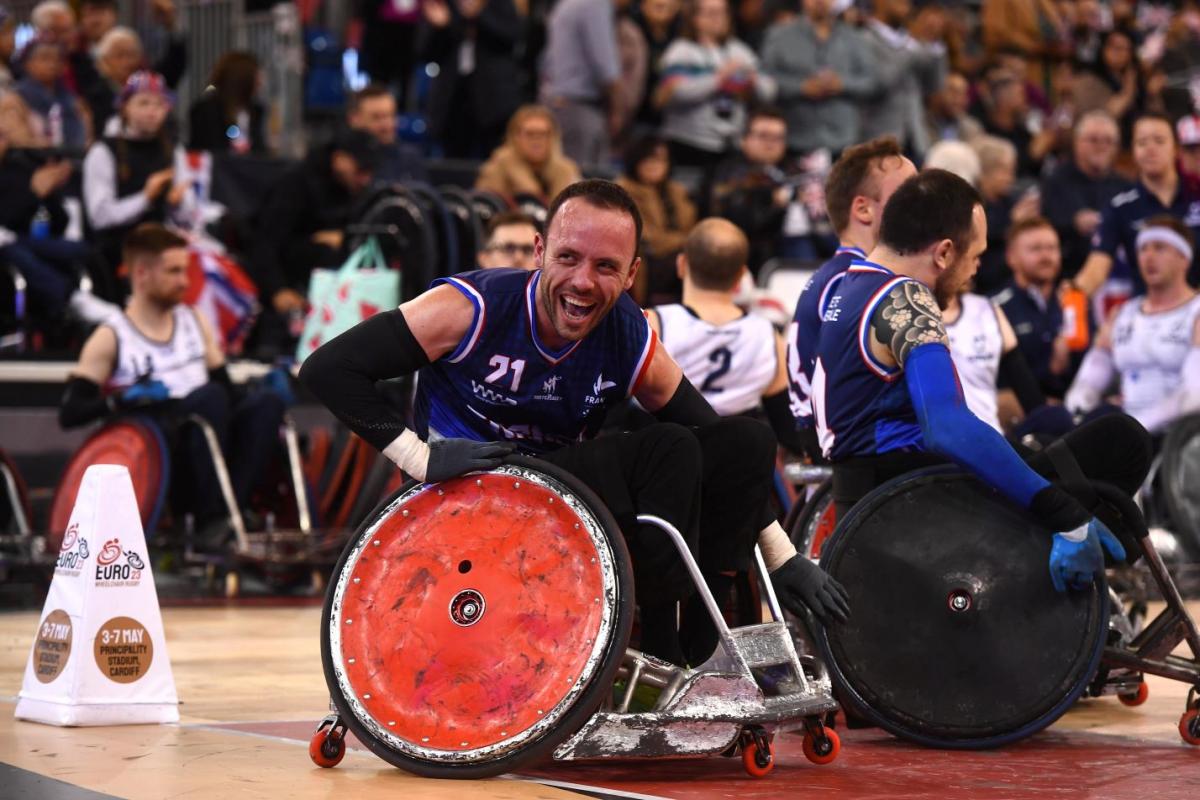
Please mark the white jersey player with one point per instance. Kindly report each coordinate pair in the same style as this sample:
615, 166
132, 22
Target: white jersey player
1152, 342
735, 359
980, 336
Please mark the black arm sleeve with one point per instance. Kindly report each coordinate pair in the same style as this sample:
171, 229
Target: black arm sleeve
1016, 374
342, 374
221, 375
687, 407
82, 402
779, 414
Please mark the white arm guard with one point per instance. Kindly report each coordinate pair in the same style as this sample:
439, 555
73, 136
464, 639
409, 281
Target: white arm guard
1093, 379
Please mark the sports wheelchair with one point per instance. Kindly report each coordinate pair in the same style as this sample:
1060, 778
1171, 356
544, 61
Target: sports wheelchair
958, 639
479, 625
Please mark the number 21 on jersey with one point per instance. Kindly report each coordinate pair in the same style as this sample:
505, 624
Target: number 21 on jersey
501, 366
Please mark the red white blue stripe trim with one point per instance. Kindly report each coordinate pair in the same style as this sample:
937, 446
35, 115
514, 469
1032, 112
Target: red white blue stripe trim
643, 363
472, 336
864, 331
530, 309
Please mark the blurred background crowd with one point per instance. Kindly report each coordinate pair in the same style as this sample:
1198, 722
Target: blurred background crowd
272, 135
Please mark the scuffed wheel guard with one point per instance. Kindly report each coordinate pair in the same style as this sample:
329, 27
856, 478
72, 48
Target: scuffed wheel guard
473, 625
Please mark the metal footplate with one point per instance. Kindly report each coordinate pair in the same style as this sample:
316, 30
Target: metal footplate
754, 679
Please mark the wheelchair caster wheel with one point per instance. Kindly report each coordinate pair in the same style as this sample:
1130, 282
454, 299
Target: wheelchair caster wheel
1189, 726
823, 748
758, 755
327, 746
1134, 699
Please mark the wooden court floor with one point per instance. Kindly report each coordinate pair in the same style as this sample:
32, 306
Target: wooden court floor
250, 683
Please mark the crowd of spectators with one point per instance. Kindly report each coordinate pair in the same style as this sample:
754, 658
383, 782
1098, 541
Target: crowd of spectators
1074, 118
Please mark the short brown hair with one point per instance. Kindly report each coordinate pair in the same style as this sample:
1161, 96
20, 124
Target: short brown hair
512, 218
368, 92
1171, 223
149, 240
714, 261
1023, 226
853, 175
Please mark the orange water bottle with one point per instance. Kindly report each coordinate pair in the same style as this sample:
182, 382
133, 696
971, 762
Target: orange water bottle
1075, 318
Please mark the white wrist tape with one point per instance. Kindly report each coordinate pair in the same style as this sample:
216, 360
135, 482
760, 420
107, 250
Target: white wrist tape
1077, 535
777, 548
409, 453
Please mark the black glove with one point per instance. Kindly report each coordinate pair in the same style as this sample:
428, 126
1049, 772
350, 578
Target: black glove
1058, 510
449, 458
801, 584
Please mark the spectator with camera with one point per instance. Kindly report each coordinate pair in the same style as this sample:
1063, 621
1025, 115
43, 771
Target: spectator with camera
778, 202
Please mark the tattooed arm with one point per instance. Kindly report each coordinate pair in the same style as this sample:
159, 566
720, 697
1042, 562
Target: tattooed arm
909, 333
907, 318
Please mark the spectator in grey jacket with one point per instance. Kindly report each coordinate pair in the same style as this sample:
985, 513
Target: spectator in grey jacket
911, 66
581, 71
823, 69
708, 78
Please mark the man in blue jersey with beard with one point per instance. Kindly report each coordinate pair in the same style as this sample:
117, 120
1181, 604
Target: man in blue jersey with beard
856, 191
886, 396
509, 359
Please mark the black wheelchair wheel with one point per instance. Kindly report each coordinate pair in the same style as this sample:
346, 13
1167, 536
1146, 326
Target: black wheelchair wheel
957, 638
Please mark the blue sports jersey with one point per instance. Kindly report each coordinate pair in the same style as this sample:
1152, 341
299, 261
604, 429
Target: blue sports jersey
806, 327
861, 407
1123, 219
502, 383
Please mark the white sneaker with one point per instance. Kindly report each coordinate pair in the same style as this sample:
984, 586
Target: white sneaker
91, 309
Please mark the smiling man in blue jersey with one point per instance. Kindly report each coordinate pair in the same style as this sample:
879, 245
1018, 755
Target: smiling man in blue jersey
887, 399
856, 191
531, 361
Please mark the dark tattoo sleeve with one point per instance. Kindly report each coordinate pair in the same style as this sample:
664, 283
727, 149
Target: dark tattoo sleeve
908, 318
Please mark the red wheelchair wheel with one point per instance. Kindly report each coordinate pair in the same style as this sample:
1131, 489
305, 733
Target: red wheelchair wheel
132, 442
1134, 699
327, 748
473, 625
824, 749
757, 762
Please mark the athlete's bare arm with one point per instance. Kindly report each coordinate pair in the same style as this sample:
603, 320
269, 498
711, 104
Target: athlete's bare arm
907, 318
659, 383
780, 382
1008, 336
213, 357
99, 356
1094, 272
439, 319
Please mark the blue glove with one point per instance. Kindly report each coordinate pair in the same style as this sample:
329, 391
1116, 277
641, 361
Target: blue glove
278, 382
144, 393
1077, 563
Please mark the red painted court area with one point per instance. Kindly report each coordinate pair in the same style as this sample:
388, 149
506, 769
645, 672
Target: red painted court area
873, 764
